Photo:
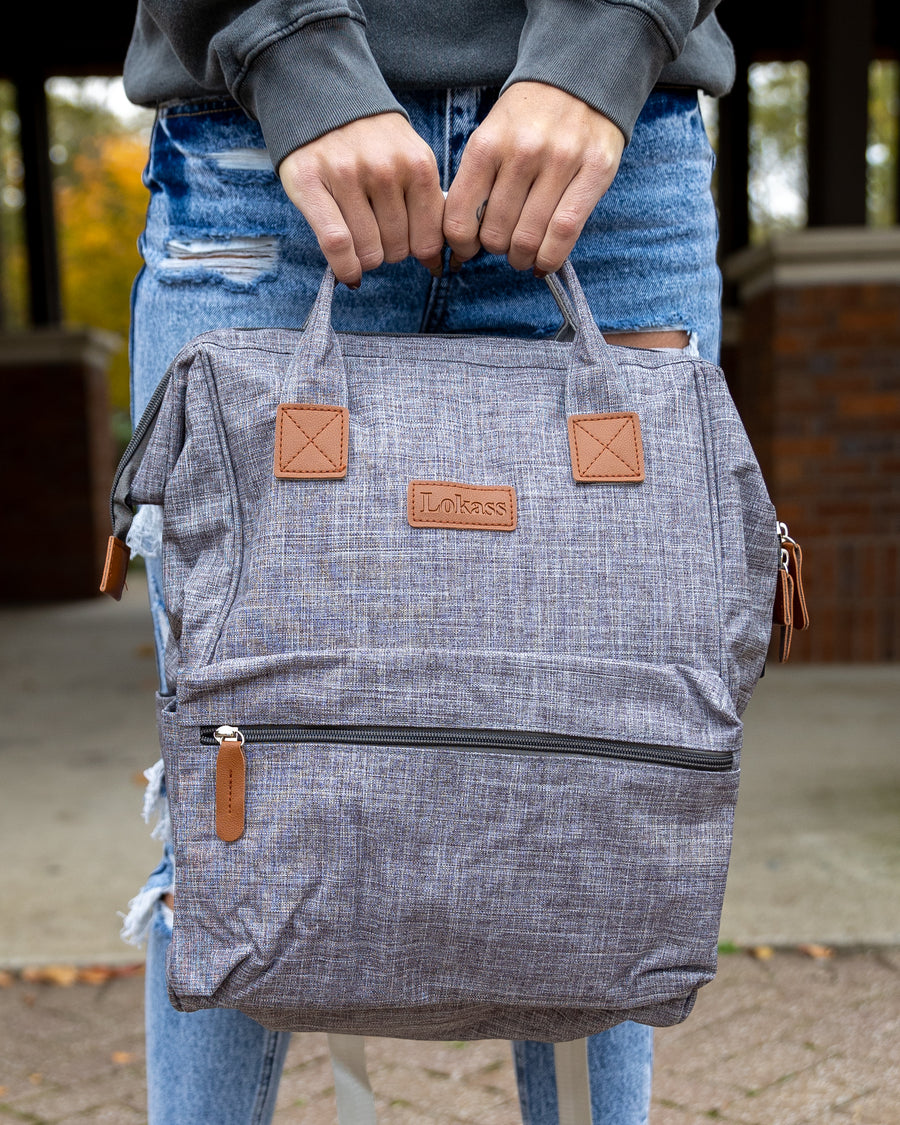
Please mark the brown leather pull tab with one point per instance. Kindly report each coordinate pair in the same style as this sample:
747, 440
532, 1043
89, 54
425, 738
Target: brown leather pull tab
115, 568
783, 613
800, 614
231, 784
783, 608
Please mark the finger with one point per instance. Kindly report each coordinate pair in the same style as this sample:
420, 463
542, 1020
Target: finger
467, 199
504, 208
305, 187
357, 213
327, 221
567, 221
536, 211
425, 215
389, 209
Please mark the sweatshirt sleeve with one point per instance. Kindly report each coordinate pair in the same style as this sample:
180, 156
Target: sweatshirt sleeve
300, 69
608, 53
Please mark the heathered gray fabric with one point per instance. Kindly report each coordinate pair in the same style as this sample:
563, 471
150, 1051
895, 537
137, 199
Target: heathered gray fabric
446, 893
304, 68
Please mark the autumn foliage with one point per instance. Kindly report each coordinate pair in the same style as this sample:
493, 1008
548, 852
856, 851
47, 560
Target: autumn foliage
100, 212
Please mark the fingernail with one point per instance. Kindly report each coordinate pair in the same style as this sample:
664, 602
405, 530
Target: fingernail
436, 272
455, 264
353, 284
539, 274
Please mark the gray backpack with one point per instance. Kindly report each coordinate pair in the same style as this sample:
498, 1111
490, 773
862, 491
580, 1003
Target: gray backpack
461, 634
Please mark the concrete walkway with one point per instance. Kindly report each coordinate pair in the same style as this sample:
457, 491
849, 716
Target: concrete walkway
780, 1041
787, 1041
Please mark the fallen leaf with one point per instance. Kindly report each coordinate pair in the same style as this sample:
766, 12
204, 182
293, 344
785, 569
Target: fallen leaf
139, 780
6, 979
761, 952
122, 1058
62, 975
94, 974
35, 1079
2, 1091
135, 970
28, 999
817, 952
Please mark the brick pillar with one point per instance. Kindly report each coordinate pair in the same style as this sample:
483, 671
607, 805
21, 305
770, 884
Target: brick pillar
817, 381
56, 462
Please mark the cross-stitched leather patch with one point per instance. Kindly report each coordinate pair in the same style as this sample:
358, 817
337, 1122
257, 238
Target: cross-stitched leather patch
606, 447
311, 441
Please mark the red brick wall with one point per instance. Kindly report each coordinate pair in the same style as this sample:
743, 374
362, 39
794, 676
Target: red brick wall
56, 467
817, 380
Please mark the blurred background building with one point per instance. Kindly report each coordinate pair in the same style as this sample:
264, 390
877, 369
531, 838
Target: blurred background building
807, 187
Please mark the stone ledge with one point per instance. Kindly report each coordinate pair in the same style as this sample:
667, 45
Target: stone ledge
817, 256
93, 347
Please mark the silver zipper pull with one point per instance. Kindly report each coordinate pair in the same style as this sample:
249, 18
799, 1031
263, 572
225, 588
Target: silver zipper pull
228, 734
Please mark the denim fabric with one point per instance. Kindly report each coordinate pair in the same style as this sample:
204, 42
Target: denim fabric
620, 1063
224, 247
207, 1068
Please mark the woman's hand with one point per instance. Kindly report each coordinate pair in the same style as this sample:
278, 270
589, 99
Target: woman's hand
530, 176
371, 192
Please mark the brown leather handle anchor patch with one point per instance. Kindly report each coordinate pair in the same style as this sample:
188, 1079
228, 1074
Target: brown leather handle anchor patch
606, 447
311, 441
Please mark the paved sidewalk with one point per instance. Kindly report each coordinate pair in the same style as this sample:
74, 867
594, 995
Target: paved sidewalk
786, 1041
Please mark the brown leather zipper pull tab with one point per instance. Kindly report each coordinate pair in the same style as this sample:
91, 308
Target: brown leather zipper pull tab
789, 610
115, 568
231, 784
795, 569
783, 612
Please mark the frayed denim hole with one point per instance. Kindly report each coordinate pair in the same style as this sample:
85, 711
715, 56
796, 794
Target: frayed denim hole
163, 917
243, 166
243, 160
235, 262
146, 532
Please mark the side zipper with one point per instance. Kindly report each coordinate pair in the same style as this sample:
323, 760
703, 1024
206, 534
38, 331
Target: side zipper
121, 509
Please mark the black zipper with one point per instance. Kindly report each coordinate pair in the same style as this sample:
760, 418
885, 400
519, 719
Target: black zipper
499, 741
120, 508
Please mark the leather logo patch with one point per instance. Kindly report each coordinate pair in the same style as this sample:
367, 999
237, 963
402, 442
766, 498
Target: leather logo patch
606, 447
311, 441
475, 507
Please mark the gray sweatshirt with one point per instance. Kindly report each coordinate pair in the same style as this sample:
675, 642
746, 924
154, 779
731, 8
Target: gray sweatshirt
304, 67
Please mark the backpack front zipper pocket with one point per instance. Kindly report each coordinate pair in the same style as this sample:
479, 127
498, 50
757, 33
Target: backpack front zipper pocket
231, 764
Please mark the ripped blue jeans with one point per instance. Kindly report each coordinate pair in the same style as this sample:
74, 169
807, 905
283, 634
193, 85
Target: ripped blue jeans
223, 247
